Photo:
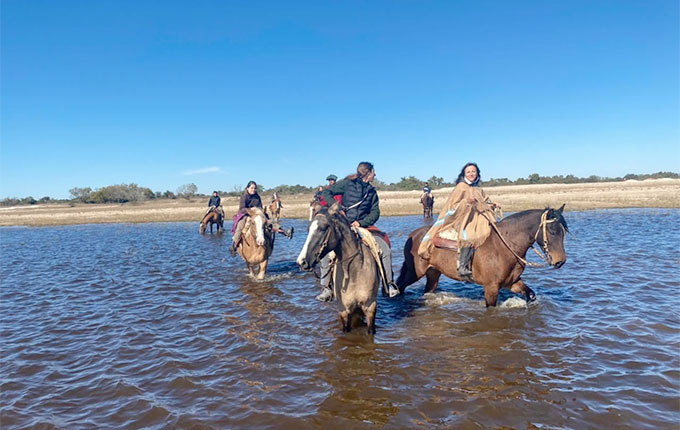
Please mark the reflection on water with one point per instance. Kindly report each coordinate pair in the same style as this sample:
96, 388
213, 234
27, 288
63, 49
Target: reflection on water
155, 326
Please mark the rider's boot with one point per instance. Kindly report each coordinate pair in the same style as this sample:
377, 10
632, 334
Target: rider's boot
464, 263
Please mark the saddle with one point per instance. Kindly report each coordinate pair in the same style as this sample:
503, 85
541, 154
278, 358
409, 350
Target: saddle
446, 239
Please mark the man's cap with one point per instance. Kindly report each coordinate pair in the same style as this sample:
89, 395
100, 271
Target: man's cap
331, 178
214, 192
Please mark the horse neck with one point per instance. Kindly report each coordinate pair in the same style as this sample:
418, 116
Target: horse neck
348, 243
519, 230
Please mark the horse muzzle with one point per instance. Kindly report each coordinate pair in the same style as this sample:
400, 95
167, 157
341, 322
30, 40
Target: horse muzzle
559, 263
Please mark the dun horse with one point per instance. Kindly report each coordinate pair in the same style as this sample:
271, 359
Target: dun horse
428, 202
212, 217
499, 261
355, 272
257, 242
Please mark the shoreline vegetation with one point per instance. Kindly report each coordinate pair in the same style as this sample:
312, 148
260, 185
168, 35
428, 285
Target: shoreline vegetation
648, 193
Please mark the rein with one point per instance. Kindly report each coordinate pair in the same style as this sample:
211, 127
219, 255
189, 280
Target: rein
543, 226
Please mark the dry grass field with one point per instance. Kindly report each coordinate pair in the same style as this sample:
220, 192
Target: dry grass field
651, 193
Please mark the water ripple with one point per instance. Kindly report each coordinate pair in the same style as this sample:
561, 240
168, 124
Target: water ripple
154, 326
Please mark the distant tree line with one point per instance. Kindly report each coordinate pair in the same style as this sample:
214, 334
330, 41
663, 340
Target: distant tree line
128, 193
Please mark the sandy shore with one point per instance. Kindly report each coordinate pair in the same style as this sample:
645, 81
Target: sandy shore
656, 193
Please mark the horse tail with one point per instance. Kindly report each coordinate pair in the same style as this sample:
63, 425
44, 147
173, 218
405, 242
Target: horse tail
407, 274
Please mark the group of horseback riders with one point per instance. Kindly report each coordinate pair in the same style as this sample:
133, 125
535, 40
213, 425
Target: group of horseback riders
465, 217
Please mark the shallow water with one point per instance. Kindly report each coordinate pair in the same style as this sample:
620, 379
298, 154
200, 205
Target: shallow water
155, 326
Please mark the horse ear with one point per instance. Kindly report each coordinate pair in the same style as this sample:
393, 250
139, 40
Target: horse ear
335, 207
561, 209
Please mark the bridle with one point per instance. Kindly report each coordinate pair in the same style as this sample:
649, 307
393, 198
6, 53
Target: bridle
542, 228
322, 248
251, 228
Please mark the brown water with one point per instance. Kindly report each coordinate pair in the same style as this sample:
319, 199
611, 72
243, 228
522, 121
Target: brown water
155, 326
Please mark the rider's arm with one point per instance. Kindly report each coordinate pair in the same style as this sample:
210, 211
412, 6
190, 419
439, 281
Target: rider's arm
335, 189
242, 203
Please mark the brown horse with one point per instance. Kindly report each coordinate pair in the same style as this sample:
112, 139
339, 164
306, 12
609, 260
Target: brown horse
499, 261
427, 200
213, 216
257, 242
355, 272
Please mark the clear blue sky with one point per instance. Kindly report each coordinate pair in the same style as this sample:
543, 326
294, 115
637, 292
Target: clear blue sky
165, 93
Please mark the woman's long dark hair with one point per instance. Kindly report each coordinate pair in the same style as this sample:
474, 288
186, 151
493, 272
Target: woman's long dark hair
461, 175
363, 169
249, 184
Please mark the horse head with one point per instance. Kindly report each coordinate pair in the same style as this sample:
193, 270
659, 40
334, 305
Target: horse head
322, 238
550, 236
259, 221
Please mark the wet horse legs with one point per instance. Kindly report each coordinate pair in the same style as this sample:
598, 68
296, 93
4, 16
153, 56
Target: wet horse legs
369, 312
520, 287
432, 275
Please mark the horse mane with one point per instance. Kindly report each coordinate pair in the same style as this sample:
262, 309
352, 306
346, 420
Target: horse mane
340, 218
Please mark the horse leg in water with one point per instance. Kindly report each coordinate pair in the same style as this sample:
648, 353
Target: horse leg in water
491, 294
369, 312
432, 275
346, 320
263, 268
408, 274
520, 287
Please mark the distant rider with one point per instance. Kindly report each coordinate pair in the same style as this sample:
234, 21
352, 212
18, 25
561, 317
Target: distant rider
215, 202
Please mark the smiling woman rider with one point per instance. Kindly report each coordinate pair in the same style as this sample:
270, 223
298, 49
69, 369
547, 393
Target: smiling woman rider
464, 212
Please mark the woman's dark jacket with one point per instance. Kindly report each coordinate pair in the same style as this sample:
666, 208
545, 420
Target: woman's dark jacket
249, 201
354, 191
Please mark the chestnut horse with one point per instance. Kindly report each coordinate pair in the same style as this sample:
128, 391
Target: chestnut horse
499, 261
213, 217
427, 200
355, 271
257, 242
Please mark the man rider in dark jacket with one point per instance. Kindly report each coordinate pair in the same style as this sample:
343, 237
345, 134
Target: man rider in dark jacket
215, 202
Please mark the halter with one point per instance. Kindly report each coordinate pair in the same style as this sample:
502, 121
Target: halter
542, 227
